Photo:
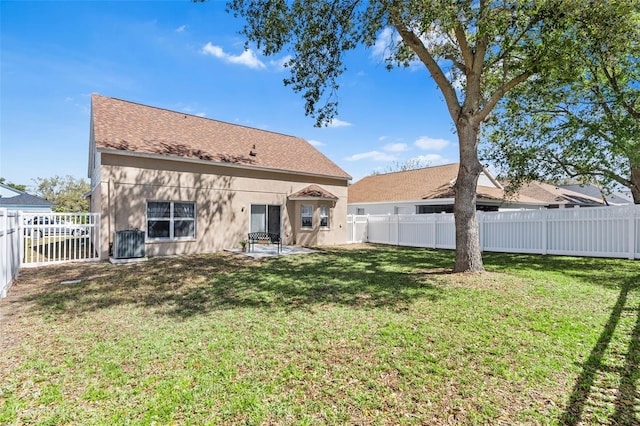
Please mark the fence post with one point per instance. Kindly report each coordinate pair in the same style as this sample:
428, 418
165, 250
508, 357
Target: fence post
397, 229
21, 233
4, 251
545, 232
480, 220
435, 232
632, 232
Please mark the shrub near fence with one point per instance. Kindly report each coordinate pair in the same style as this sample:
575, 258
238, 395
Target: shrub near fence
9, 249
593, 231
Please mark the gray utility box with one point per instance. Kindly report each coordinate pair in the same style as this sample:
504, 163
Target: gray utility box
128, 244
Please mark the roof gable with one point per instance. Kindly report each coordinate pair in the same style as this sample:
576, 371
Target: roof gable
9, 191
557, 195
418, 184
134, 128
25, 199
313, 192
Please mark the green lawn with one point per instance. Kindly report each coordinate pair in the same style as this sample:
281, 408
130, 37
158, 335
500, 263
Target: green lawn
360, 335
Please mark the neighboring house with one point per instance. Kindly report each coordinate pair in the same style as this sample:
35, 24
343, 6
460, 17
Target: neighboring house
613, 199
558, 197
196, 185
426, 190
13, 199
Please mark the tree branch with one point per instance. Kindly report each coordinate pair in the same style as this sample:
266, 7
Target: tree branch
414, 42
465, 49
498, 94
618, 91
574, 170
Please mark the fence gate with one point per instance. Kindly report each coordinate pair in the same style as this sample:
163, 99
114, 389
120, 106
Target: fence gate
59, 237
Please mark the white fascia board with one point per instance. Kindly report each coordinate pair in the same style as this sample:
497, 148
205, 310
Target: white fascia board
491, 178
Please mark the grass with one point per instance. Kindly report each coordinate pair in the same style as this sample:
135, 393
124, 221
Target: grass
355, 335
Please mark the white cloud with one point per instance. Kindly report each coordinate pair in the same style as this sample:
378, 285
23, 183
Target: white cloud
431, 159
280, 63
338, 123
426, 143
201, 114
181, 28
247, 58
316, 143
396, 147
388, 39
372, 155
384, 42
381, 138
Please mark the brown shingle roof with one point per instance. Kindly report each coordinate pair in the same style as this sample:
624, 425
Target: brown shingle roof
556, 195
313, 191
420, 184
127, 126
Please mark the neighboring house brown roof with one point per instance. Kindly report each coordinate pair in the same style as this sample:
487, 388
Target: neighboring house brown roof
120, 125
556, 195
313, 191
420, 184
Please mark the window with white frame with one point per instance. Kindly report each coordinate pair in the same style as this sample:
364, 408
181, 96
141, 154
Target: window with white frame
324, 216
306, 216
171, 220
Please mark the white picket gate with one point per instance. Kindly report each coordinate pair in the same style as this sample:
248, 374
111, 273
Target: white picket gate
594, 231
36, 239
59, 237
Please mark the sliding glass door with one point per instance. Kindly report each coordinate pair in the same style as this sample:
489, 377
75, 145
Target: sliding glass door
265, 218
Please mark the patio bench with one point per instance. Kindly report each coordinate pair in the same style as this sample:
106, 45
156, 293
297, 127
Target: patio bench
270, 237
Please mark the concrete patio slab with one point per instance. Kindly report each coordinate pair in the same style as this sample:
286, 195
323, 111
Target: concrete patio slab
260, 251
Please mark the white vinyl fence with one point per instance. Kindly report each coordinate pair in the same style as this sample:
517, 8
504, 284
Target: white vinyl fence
59, 237
593, 231
35, 239
9, 249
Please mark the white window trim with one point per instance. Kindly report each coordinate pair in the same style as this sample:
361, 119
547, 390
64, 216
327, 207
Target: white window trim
171, 219
328, 225
301, 216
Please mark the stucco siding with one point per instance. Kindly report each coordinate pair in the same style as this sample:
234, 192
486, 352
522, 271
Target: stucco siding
222, 195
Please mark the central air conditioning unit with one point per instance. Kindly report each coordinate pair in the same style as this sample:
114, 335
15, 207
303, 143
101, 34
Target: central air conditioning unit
128, 244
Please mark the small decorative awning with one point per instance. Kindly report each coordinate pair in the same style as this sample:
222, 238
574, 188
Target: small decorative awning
312, 192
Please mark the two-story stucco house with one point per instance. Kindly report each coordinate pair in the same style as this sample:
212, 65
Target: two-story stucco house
196, 185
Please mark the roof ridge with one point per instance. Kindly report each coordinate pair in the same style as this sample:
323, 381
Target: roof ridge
413, 170
197, 116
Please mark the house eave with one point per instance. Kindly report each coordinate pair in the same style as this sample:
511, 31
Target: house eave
217, 163
312, 199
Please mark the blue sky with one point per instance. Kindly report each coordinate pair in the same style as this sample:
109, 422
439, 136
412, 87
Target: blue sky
190, 58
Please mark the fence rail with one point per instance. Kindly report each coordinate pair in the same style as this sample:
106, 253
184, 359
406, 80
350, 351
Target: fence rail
595, 231
35, 239
59, 237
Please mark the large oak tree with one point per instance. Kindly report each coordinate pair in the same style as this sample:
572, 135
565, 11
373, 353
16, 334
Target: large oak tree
475, 50
580, 120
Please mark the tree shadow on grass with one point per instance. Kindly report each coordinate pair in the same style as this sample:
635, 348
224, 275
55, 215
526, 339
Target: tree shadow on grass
626, 408
194, 285
604, 272
614, 274
363, 279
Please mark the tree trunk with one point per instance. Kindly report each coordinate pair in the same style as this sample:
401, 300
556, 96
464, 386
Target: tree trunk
468, 254
635, 184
